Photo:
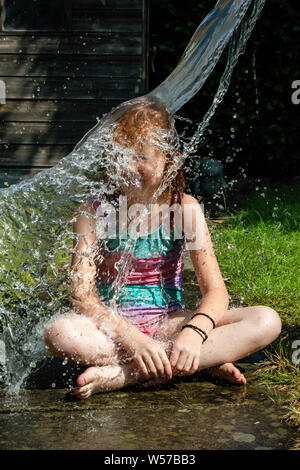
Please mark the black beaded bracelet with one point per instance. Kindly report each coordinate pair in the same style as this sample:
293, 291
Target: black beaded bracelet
197, 329
205, 314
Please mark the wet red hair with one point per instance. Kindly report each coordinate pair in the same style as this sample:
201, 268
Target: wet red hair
134, 124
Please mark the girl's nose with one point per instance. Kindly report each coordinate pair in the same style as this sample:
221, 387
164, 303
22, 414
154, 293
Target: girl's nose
136, 169
145, 168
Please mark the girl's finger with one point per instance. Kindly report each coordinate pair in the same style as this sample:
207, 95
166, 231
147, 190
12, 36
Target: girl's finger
150, 365
174, 357
142, 367
167, 365
181, 361
196, 362
158, 364
188, 364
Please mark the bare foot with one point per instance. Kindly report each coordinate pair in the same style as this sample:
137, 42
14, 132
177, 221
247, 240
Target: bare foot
102, 379
228, 372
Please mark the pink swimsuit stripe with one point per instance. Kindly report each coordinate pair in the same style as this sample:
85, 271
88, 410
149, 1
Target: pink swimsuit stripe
153, 287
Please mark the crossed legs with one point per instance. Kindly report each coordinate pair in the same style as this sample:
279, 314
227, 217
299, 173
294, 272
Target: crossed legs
243, 331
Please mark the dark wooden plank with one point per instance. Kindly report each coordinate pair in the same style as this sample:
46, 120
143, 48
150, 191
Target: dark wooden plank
21, 155
34, 15
145, 43
62, 88
127, 4
107, 20
43, 133
86, 43
70, 66
55, 110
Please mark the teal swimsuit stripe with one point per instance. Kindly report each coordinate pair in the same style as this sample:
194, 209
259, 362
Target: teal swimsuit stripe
140, 295
146, 247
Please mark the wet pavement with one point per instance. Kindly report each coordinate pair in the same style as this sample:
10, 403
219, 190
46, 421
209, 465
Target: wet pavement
195, 413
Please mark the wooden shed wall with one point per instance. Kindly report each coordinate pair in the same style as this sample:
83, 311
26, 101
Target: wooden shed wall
59, 81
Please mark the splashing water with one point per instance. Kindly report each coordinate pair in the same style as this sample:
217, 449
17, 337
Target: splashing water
37, 215
205, 48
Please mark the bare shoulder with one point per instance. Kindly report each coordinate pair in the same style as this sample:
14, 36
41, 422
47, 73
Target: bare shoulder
87, 206
84, 219
188, 199
192, 213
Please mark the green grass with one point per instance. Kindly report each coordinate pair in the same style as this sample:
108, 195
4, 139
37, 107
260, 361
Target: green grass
258, 252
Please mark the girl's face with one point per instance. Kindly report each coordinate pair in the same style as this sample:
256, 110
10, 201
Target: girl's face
147, 167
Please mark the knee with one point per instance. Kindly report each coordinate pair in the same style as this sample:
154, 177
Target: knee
267, 323
53, 329
50, 332
58, 332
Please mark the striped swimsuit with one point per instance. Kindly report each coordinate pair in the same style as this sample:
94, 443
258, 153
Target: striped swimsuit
153, 286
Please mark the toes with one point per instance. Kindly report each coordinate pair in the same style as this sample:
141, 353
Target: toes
84, 389
86, 394
238, 376
87, 377
236, 373
82, 392
230, 373
81, 381
243, 379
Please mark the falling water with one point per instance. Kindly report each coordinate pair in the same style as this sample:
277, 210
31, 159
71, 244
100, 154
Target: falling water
205, 48
236, 48
36, 238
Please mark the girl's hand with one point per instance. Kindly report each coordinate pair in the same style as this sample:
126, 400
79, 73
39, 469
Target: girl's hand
149, 356
185, 353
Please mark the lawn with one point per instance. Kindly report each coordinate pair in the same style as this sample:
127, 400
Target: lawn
257, 247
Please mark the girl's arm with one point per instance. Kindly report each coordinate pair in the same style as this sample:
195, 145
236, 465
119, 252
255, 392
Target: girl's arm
85, 297
215, 298
149, 356
186, 350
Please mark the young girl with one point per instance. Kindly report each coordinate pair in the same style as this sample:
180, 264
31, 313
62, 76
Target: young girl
150, 334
